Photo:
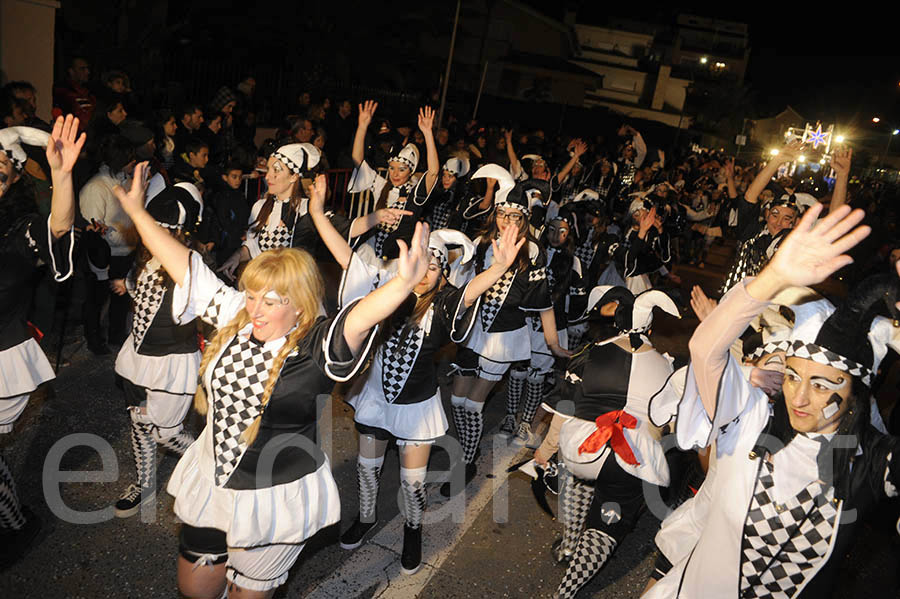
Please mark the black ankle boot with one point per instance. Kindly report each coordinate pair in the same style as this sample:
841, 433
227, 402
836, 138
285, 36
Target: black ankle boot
411, 559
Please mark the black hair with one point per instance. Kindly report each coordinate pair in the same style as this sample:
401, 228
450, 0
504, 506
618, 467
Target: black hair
18, 86
194, 145
188, 110
232, 165
116, 152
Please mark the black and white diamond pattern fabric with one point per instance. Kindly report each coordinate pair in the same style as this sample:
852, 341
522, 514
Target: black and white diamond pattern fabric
214, 314
584, 251
783, 542
537, 274
11, 517
400, 353
769, 348
441, 215
148, 296
278, 237
575, 496
822, 355
237, 383
494, 298
594, 548
414, 501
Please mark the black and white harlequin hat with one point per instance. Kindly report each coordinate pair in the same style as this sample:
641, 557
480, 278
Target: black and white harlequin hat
313, 155
296, 157
772, 328
174, 208
505, 185
407, 156
439, 242
458, 167
846, 337
634, 314
12, 138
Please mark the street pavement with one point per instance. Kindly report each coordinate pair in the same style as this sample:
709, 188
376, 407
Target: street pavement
494, 543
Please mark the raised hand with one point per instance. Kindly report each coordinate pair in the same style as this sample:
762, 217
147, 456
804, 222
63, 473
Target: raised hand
65, 144
791, 151
701, 304
579, 148
840, 162
229, 267
729, 168
647, 221
132, 201
426, 119
769, 381
366, 112
318, 191
414, 259
813, 251
507, 248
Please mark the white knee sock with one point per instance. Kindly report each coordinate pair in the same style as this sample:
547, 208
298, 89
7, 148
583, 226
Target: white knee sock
412, 483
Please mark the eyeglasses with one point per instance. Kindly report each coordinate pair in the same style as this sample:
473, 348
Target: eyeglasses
513, 217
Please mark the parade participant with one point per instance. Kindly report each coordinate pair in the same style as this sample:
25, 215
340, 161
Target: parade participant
475, 208
27, 241
567, 292
607, 441
255, 487
408, 198
571, 178
786, 500
159, 360
281, 219
501, 335
400, 398
645, 247
452, 191
759, 242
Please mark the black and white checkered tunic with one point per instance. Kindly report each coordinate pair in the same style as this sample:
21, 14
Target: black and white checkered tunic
147, 296
584, 251
400, 353
237, 383
384, 230
494, 297
783, 543
271, 239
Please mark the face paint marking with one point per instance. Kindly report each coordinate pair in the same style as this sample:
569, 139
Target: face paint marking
833, 406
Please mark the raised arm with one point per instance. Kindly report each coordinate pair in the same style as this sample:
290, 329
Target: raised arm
366, 112
381, 303
840, 162
640, 147
514, 166
426, 123
788, 153
729, 179
505, 251
809, 255
173, 256
333, 240
62, 154
578, 150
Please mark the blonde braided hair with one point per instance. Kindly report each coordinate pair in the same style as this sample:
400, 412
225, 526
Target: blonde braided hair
291, 273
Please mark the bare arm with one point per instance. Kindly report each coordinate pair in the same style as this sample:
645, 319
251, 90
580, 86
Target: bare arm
729, 178
62, 154
173, 256
366, 112
426, 122
841, 165
333, 240
787, 154
578, 149
551, 335
381, 303
514, 166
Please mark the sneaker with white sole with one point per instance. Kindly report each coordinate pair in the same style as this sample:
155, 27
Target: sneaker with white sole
523, 433
507, 427
131, 500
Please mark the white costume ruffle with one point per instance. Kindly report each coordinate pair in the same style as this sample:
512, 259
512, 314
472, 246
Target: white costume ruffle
421, 421
508, 346
172, 373
25, 367
288, 513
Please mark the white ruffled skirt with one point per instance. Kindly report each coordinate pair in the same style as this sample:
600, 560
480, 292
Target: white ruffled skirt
421, 421
173, 373
24, 368
289, 513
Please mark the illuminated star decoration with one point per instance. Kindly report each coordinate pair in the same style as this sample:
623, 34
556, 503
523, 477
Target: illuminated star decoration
817, 137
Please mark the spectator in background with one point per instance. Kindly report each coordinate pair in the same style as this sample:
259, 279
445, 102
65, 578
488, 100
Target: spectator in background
302, 130
73, 96
99, 206
244, 114
341, 128
12, 111
232, 212
24, 91
190, 118
165, 129
190, 164
117, 82
319, 141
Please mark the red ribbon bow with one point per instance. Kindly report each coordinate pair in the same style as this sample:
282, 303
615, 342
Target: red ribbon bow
609, 428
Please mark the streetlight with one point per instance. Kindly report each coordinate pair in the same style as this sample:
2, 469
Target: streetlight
875, 119
703, 60
839, 139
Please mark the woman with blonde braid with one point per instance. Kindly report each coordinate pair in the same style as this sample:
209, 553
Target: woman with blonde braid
254, 487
